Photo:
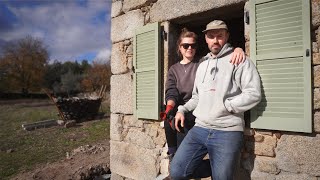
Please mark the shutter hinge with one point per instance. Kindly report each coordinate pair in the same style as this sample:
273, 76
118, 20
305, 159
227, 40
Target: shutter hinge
133, 71
307, 53
246, 17
164, 35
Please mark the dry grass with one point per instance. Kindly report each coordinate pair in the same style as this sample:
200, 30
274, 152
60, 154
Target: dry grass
23, 150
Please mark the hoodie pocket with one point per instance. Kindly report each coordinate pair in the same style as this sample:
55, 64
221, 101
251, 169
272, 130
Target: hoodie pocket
228, 106
211, 104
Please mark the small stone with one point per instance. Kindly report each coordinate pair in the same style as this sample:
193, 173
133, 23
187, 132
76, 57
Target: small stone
35, 176
130, 63
129, 50
10, 151
267, 165
317, 122
247, 48
277, 135
69, 124
116, 9
60, 122
266, 147
316, 58
264, 132
316, 98
315, 48
258, 138
316, 74
68, 155
127, 42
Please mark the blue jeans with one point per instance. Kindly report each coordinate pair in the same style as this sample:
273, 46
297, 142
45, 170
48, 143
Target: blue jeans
223, 148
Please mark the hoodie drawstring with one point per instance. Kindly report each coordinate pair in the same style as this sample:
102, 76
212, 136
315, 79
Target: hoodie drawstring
206, 70
225, 49
215, 69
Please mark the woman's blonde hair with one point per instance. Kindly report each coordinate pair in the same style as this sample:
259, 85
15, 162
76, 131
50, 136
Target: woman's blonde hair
185, 33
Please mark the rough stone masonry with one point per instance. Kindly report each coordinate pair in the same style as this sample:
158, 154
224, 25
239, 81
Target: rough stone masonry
138, 148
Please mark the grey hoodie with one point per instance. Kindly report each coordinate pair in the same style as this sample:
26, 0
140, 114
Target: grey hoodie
222, 92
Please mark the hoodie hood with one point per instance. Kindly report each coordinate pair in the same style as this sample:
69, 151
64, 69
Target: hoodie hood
225, 50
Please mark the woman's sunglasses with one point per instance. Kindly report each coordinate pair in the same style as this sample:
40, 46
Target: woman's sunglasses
186, 45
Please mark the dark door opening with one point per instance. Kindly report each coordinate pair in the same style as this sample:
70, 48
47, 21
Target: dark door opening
231, 15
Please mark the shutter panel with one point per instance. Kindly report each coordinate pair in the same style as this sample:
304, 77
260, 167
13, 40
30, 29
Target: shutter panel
147, 75
279, 41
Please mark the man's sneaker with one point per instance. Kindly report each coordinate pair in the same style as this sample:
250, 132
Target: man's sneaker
170, 157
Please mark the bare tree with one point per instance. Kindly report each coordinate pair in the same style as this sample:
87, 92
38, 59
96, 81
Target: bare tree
25, 61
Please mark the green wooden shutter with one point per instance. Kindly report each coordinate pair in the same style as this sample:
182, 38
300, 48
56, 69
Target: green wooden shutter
280, 46
147, 72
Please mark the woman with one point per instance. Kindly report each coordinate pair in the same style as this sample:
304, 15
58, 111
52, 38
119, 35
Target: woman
179, 86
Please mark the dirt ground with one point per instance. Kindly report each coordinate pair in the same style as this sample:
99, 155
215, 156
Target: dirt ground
85, 162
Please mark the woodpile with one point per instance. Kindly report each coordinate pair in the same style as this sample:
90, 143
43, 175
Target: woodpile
78, 108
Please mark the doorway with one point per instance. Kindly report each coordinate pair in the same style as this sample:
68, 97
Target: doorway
231, 15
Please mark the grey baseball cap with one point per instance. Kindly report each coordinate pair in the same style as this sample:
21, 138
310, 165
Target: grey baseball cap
216, 24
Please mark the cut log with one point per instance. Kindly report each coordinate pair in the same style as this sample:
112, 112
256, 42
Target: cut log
40, 124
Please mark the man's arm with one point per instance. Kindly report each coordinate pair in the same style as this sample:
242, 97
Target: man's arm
248, 80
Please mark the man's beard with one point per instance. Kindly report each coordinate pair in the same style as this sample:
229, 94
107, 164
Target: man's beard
215, 51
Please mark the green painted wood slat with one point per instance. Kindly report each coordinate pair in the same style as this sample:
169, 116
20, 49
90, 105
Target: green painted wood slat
279, 38
146, 60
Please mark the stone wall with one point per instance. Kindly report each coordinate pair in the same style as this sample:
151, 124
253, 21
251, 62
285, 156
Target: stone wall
138, 147
135, 145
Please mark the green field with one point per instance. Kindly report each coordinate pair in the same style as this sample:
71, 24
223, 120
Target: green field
23, 150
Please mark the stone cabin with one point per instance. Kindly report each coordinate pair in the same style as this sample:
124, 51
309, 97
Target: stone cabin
282, 37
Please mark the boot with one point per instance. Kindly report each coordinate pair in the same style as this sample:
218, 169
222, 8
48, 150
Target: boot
170, 157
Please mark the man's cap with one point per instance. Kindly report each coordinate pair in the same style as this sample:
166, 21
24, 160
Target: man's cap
216, 24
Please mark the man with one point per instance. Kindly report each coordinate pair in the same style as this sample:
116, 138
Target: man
222, 93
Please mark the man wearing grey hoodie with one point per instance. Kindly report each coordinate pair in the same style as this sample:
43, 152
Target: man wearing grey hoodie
221, 94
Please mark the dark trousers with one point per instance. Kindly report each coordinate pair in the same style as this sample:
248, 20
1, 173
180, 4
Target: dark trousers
173, 137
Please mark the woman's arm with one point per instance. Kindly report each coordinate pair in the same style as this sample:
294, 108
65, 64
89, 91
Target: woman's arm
238, 56
171, 94
171, 103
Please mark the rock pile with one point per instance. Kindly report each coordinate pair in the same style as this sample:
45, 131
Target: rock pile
89, 149
99, 172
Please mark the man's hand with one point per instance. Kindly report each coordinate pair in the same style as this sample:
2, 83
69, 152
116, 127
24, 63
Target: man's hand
179, 119
238, 56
